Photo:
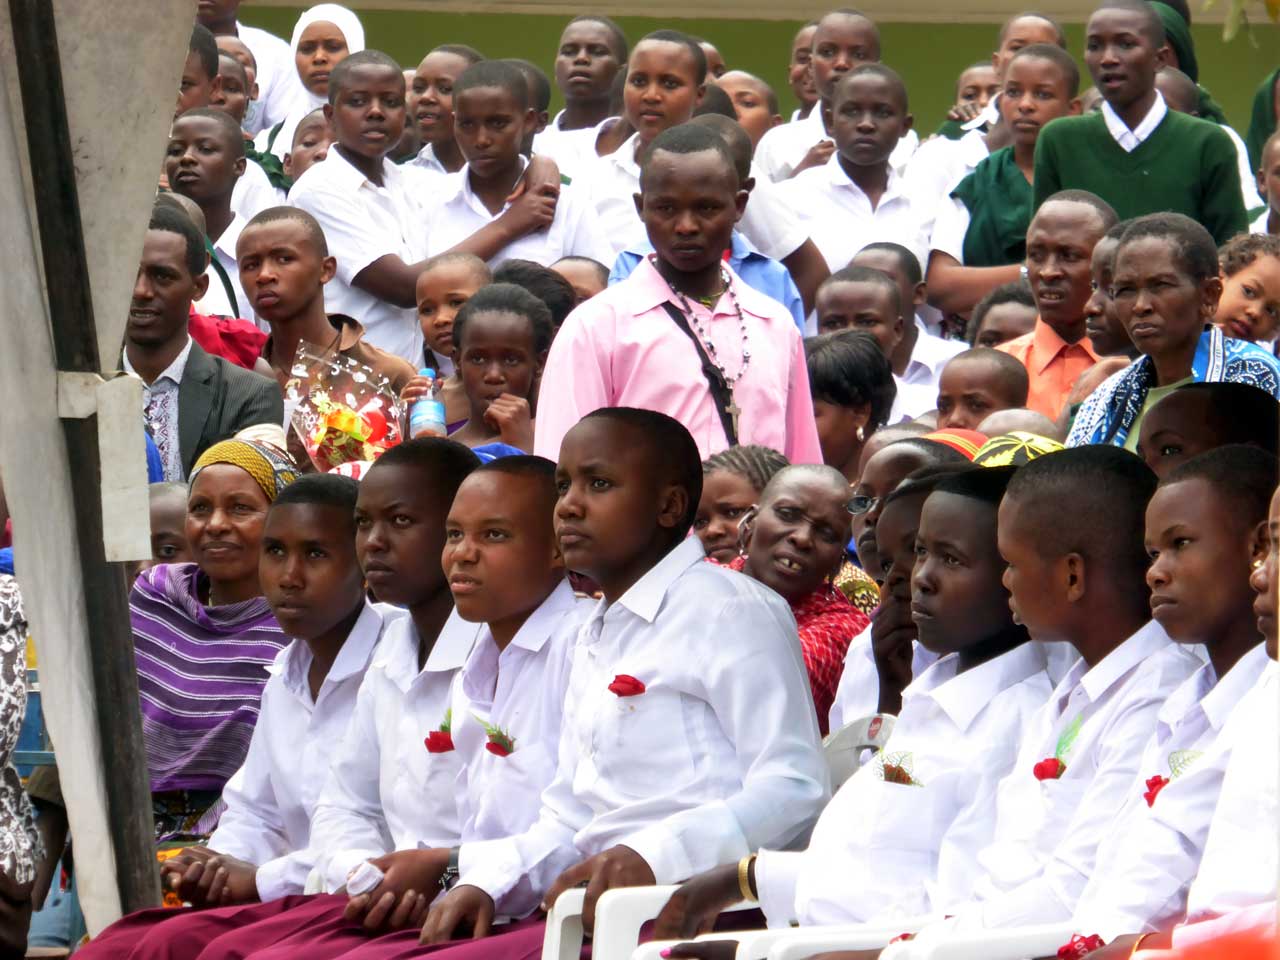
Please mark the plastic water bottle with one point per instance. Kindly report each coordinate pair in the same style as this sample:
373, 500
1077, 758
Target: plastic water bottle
426, 416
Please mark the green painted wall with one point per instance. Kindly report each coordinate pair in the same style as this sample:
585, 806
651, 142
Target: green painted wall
929, 56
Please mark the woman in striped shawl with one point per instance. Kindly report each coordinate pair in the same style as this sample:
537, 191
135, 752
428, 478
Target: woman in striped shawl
204, 637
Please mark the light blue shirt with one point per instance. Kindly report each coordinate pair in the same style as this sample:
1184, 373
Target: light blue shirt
762, 273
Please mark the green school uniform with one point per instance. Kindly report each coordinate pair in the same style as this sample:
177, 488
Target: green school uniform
1262, 119
998, 198
1187, 166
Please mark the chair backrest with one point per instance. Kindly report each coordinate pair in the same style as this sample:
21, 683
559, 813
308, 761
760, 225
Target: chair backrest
846, 748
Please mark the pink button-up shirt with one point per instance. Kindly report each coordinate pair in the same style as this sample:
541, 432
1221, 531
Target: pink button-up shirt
622, 349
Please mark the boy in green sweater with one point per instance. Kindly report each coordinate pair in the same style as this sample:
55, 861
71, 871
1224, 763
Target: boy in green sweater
1136, 153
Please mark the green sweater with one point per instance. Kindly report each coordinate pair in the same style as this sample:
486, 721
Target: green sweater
1187, 165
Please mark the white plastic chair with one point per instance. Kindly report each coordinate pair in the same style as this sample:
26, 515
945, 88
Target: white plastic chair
761, 944
844, 749
805, 943
1041, 940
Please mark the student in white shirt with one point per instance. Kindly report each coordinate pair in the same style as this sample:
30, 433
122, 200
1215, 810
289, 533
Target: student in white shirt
365, 204
668, 764
1268, 221
492, 118
842, 41
874, 848
857, 197
1205, 530
432, 90
1082, 583
274, 73
260, 850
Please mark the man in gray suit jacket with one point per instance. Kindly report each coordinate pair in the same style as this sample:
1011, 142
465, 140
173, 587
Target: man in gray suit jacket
191, 400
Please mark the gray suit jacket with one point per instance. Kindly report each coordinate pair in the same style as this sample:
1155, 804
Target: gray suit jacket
216, 399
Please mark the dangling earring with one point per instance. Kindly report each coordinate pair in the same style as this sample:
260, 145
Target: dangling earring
860, 434
1257, 564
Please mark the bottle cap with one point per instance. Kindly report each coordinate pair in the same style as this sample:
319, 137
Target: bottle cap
427, 372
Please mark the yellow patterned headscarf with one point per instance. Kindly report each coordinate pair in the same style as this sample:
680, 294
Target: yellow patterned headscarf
1015, 449
270, 466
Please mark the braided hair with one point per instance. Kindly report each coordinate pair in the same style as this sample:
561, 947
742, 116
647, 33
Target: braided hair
753, 463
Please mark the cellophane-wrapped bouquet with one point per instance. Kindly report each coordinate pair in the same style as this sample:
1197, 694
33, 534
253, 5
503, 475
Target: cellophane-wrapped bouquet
340, 408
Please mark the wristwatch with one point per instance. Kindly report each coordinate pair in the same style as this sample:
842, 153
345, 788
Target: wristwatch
450, 875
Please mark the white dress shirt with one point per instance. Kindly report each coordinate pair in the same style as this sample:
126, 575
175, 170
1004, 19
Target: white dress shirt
160, 411
279, 86
939, 166
571, 150
1260, 224
1248, 178
362, 223
519, 693
912, 400
783, 147
254, 193
271, 798
453, 213
1130, 140
1146, 865
875, 847
386, 791
612, 182
1236, 886
929, 356
1097, 722
215, 301
858, 692
841, 219
710, 762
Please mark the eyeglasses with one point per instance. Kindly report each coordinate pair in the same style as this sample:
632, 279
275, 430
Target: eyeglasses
861, 503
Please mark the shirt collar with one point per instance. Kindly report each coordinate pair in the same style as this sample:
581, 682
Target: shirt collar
963, 696
892, 189
646, 595
1230, 689
172, 372
295, 660
649, 290
349, 333
461, 188
1120, 131
399, 649
226, 243
1150, 639
929, 352
624, 158
427, 158
542, 624
343, 174
1046, 345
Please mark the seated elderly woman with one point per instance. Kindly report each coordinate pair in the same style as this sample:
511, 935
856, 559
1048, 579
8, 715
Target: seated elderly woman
795, 544
204, 637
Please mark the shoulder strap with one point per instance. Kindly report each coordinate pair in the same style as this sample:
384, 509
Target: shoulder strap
275, 132
721, 395
221, 271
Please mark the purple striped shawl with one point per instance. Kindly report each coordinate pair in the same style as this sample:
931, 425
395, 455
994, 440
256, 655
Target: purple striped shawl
201, 671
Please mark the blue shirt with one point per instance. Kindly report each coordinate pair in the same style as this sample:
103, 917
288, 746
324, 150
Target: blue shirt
757, 271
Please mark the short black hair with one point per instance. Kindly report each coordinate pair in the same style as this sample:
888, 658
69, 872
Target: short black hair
538, 470
1017, 291
876, 278
477, 266
470, 54
926, 479
1244, 248
601, 271
671, 448
204, 46
770, 96
685, 139
852, 14
318, 111
620, 47
1105, 211
734, 137
1192, 244
987, 484
848, 369
1057, 56
908, 262
1106, 484
1153, 23
838, 481
695, 51
752, 462
321, 490
1238, 413
445, 463
715, 102
1180, 91
933, 451
502, 74
315, 235
1014, 380
230, 129
1245, 478
543, 282
172, 219
507, 298
364, 58
226, 59
875, 70
536, 83
1033, 15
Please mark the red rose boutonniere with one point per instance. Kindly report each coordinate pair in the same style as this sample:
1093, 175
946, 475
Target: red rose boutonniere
1080, 947
441, 740
499, 742
1050, 769
626, 686
1154, 786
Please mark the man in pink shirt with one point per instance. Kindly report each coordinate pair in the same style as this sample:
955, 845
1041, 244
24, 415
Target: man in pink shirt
682, 335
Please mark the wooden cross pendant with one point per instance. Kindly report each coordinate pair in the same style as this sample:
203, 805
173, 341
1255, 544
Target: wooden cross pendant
733, 410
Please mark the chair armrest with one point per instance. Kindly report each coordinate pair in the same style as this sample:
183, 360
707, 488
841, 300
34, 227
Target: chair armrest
620, 913
1016, 943
563, 937
803, 943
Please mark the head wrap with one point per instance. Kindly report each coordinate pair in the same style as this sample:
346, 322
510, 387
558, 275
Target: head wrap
1015, 449
967, 442
270, 466
1177, 34
340, 17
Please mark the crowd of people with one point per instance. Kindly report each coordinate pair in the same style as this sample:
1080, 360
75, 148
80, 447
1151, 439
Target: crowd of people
756, 429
